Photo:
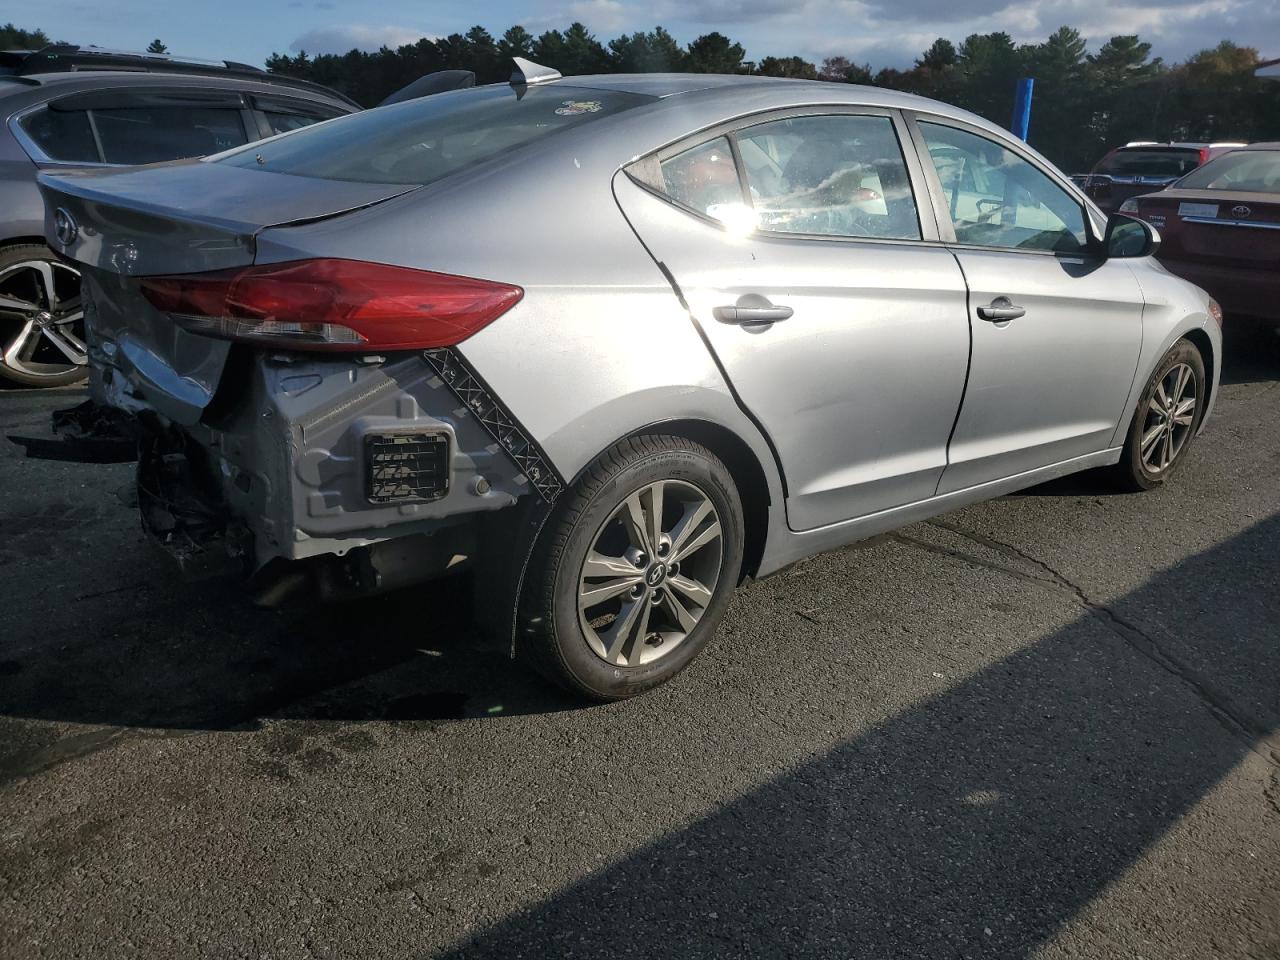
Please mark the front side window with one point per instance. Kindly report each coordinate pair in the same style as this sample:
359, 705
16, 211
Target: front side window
998, 199
152, 134
62, 135
841, 176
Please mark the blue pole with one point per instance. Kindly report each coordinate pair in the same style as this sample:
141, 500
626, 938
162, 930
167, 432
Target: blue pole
1022, 108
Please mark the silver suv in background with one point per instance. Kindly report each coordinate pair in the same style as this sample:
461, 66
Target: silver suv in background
618, 342
66, 106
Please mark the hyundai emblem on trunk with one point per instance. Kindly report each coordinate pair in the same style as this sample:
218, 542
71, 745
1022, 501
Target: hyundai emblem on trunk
65, 227
1240, 210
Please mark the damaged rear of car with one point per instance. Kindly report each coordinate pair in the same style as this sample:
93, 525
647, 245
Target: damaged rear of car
299, 413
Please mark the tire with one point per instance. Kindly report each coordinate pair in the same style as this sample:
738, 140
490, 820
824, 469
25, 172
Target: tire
1150, 467
50, 324
634, 638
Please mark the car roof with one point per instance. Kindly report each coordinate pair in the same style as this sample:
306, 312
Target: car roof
784, 91
96, 79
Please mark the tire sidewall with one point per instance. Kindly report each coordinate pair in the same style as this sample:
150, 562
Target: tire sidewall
609, 681
1181, 352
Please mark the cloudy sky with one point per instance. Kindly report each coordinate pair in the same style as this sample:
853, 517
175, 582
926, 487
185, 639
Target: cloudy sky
883, 32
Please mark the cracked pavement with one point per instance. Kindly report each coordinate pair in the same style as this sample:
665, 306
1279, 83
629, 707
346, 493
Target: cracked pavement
1044, 726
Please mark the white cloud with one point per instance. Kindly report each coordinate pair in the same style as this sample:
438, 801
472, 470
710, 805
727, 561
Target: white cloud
342, 38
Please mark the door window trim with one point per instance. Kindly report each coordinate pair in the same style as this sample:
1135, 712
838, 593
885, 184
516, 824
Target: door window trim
942, 210
646, 172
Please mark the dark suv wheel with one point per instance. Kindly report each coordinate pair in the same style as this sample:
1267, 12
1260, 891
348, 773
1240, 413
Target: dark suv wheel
41, 320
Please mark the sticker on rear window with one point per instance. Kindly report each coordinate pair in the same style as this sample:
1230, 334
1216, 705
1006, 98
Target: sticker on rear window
571, 108
1197, 209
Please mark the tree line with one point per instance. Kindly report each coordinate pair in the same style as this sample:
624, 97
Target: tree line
1085, 101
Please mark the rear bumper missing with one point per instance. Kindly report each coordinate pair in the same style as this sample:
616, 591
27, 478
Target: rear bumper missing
341, 475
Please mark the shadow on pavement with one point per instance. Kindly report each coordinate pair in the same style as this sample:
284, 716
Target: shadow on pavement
976, 822
180, 656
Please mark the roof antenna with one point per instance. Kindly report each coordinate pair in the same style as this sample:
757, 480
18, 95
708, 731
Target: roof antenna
528, 72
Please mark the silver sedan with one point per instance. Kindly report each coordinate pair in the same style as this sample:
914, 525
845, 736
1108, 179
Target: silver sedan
617, 343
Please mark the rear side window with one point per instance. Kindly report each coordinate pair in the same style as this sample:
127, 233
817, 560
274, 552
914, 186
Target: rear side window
841, 176
284, 122
152, 134
421, 141
1150, 163
62, 135
703, 178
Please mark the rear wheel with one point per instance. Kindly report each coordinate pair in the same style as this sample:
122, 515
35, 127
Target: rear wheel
42, 338
1165, 423
634, 570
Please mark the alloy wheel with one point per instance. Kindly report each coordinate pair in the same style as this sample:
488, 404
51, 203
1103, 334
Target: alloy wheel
650, 573
41, 320
1169, 418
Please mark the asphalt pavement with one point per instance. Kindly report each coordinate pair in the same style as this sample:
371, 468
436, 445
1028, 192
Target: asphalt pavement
1045, 726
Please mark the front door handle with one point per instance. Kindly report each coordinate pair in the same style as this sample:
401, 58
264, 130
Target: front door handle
752, 308
1001, 310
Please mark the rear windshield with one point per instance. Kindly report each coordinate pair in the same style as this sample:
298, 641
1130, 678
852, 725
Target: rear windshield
1245, 171
420, 141
1150, 163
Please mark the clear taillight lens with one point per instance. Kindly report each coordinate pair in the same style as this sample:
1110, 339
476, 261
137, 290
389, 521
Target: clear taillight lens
327, 304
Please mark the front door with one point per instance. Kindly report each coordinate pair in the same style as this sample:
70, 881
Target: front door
1056, 328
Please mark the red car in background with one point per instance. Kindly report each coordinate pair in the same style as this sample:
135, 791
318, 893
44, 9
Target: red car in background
1143, 166
1220, 228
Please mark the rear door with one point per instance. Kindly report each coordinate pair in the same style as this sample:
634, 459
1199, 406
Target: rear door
815, 274
1056, 328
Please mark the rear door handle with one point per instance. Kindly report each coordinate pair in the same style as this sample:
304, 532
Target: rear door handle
752, 308
1001, 310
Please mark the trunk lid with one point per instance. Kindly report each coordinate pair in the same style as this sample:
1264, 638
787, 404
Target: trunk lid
190, 215
184, 217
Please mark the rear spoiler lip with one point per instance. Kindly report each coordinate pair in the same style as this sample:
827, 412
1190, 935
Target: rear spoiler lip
85, 185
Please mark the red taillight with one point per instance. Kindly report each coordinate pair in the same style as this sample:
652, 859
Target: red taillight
332, 305
1204, 156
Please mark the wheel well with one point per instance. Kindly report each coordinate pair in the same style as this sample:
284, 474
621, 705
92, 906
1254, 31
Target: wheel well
748, 475
1205, 346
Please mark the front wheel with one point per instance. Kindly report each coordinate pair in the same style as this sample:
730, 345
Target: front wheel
1165, 423
634, 569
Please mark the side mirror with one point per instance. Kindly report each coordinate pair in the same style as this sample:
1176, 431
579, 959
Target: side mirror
1129, 237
